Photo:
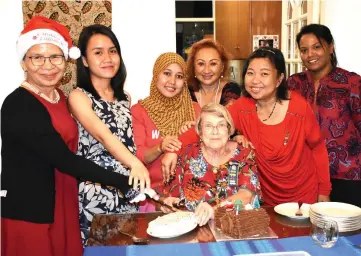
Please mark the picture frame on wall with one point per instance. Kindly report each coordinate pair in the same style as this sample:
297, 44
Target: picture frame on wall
260, 41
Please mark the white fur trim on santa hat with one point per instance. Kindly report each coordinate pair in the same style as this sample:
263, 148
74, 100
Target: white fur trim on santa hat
40, 36
74, 52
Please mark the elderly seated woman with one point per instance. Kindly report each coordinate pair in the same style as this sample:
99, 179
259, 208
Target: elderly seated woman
213, 169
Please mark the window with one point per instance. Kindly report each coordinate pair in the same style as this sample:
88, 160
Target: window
295, 15
194, 22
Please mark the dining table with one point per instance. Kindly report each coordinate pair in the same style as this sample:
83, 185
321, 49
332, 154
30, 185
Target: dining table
286, 235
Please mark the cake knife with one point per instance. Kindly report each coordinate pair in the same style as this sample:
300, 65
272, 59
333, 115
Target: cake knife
161, 203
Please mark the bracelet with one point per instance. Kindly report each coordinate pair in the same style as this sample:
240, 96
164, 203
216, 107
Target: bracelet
159, 149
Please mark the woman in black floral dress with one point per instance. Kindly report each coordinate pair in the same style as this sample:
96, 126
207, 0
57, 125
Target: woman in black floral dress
101, 109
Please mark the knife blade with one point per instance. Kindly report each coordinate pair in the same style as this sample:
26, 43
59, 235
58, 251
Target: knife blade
161, 203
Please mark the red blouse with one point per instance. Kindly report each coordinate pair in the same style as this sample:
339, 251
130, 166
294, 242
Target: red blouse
338, 110
291, 156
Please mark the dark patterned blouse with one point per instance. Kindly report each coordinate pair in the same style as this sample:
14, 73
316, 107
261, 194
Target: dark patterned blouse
195, 180
338, 110
231, 91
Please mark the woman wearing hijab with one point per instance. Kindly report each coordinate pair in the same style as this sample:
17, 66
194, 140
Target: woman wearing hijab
158, 118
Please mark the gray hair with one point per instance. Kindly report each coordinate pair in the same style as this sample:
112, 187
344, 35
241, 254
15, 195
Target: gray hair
219, 111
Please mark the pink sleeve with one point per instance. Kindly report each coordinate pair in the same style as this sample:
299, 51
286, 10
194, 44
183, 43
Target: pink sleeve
139, 131
317, 145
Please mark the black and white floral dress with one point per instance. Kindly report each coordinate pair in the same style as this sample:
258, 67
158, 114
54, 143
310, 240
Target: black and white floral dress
95, 198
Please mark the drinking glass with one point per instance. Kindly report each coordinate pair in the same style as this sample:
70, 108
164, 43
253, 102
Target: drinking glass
325, 233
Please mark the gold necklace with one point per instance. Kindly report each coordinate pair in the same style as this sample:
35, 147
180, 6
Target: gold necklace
38, 92
215, 98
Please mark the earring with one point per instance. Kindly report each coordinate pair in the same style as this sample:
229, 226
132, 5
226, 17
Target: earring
195, 76
222, 76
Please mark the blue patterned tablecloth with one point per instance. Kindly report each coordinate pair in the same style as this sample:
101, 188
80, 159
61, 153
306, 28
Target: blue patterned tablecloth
343, 247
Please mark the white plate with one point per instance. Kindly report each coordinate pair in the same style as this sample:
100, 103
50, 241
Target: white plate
188, 220
290, 209
336, 210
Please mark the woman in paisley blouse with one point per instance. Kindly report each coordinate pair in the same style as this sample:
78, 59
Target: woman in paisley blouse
101, 109
334, 94
214, 168
207, 68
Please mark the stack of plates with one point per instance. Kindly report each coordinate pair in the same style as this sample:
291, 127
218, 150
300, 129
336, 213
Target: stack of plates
347, 216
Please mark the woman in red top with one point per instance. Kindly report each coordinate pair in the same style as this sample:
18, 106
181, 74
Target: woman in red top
334, 94
291, 155
158, 118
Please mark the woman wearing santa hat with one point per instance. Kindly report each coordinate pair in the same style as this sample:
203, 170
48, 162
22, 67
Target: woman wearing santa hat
39, 196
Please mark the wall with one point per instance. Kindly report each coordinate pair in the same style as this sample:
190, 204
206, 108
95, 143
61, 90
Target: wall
10, 71
145, 29
342, 17
266, 18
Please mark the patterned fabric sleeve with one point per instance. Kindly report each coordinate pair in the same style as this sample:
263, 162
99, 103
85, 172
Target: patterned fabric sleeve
248, 174
173, 186
292, 83
355, 101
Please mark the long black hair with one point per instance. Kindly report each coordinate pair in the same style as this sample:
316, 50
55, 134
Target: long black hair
275, 56
321, 32
83, 73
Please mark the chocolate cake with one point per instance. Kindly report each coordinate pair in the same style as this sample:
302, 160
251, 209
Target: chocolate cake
245, 224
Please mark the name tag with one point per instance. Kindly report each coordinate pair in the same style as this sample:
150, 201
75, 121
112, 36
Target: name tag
233, 170
155, 134
3, 193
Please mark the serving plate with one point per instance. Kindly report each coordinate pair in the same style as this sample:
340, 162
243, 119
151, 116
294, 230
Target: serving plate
289, 210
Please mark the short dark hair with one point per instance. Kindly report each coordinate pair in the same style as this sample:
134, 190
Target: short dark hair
83, 73
321, 32
275, 56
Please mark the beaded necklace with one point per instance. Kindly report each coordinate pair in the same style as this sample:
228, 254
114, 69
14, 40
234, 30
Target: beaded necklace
274, 106
38, 92
215, 98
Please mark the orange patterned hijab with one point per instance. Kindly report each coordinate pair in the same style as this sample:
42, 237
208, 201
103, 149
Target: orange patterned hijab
168, 114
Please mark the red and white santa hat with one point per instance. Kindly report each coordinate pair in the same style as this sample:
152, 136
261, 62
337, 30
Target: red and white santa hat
40, 30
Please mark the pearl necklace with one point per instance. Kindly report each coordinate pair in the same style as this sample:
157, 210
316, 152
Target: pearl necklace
274, 106
215, 98
38, 92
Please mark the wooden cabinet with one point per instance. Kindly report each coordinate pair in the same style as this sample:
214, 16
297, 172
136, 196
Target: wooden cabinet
237, 22
233, 27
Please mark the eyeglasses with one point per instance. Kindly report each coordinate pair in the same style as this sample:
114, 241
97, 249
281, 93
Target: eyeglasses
39, 60
221, 128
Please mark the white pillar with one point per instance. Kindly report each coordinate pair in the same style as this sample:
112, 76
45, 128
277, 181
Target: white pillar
145, 29
11, 19
342, 17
